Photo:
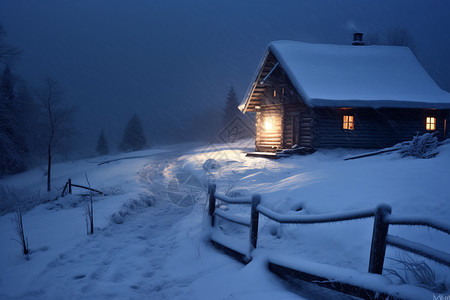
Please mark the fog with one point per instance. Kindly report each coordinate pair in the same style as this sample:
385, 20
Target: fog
172, 62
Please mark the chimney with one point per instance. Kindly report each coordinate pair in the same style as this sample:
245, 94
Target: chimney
358, 39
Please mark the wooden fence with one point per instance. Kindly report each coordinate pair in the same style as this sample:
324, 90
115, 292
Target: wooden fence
68, 186
380, 237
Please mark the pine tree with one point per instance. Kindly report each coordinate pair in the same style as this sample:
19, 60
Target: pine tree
12, 142
231, 107
133, 137
102, 144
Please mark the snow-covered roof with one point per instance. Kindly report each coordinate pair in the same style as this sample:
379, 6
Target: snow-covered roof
357, 76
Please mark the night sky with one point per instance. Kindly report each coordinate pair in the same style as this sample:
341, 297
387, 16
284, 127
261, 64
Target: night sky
172, 62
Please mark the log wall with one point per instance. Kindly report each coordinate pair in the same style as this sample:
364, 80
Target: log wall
293, 118
373, 128
269, 140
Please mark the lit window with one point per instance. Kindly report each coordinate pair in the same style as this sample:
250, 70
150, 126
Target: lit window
268, 123
274, 93
348, 123
431, 123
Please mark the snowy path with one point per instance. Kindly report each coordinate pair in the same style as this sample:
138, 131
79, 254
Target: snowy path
159, 251
154, 252
122, 257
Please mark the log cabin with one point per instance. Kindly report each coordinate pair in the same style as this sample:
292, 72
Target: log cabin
351, 96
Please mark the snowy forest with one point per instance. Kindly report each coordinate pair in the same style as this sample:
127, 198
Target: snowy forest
194, 150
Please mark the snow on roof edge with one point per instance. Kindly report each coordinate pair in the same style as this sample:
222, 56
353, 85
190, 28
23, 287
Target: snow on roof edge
246, 99
288, 71
372, 103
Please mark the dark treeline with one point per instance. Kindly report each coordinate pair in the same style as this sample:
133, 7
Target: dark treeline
33, 125
37, 125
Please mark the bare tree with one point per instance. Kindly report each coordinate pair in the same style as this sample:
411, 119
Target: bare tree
400, 36
7, 52
397, 36
22, 240
373, 39
55, 129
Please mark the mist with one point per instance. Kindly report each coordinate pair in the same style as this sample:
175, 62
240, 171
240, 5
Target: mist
172, 62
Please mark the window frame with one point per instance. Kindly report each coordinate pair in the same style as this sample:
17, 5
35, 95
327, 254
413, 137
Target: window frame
348, 122
430, 123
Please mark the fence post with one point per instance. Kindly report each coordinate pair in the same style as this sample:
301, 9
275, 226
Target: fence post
70, 186
212, 202
254, 220
380, 231
64, 189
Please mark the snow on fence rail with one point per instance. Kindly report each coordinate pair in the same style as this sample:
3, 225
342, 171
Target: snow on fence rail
380, 238
418, 221
312, 219
417, 248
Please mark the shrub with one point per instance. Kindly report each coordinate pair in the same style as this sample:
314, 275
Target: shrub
421, 146
416, 272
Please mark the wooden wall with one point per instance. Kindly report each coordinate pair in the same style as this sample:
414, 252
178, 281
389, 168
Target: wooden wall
298, 122
374, 128
293, 118
269, 140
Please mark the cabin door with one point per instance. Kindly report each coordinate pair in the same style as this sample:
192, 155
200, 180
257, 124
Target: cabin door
295, 129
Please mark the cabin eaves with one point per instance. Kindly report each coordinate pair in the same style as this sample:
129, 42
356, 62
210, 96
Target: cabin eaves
348, 76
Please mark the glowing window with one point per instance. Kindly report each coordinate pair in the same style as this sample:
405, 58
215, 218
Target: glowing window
431, 123
268, 123
274, 93
348, 123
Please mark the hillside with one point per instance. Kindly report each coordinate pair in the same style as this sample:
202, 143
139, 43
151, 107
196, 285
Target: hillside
151, 230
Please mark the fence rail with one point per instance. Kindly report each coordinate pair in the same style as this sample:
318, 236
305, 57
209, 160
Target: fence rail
312, 219
420, 249
418, 221
380, 238
233, 218
233, 200
69, 186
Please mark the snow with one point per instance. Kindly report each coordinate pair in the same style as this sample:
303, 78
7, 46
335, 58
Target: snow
414, 220
364, 280
358, 76
234, 200
239, 219
145, 246
320, 218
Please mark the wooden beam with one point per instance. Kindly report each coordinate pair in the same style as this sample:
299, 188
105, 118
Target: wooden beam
293, 276
231, 252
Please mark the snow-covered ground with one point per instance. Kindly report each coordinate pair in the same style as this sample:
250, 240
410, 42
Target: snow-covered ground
151, 232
